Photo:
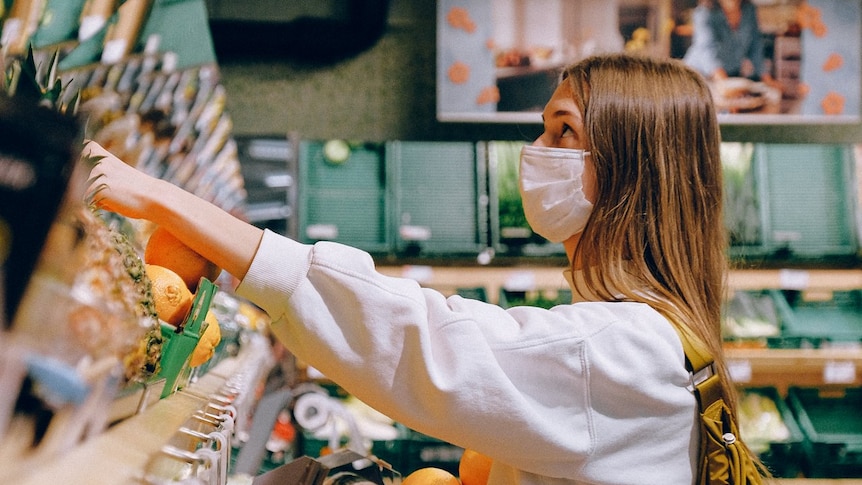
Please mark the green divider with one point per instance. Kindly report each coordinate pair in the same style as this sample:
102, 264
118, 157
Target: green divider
180, 342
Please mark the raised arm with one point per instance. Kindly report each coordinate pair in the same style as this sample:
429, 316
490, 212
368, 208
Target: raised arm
217, 235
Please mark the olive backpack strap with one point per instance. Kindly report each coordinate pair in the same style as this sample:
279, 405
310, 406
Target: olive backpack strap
705, 381
723, 461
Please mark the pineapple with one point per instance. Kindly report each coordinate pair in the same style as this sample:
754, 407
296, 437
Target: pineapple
106, 267
113, 272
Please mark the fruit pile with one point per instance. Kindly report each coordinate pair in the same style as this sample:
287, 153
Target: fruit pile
175, 270
112, 273
473, 469
137, 294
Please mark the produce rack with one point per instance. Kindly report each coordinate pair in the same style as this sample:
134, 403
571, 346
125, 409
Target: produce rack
187, 434
147, 81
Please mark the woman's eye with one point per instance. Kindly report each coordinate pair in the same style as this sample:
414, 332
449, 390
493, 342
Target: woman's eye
567, 131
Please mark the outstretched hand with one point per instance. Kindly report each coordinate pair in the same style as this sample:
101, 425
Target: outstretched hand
212, 232
116, 186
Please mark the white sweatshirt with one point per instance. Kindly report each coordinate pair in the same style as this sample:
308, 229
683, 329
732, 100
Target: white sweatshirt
587, 393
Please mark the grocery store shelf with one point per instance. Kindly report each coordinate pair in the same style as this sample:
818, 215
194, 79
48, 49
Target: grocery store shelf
782, 368
493, 278
120, 455
447, 279
795, 279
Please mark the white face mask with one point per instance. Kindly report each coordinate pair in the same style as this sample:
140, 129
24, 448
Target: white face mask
552, 191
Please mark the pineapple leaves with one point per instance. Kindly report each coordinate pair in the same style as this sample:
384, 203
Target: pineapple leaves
41, 83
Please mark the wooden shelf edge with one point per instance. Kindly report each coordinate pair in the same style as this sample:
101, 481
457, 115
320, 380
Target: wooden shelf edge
552, 276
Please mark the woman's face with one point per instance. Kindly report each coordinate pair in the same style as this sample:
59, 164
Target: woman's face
564, 128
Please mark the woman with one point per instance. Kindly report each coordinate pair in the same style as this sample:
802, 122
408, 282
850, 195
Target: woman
627, 175
727, 42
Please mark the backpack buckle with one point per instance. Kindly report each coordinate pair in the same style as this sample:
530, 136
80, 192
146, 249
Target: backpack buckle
699, 377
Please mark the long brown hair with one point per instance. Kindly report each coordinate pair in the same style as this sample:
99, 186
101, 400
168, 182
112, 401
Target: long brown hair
657, 223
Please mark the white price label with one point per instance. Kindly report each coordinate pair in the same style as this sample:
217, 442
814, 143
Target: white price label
419, 273
839, 372
793, 279
740, 370
521, 281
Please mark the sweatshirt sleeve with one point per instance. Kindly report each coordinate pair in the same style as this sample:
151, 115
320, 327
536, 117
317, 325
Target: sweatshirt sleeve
464, 371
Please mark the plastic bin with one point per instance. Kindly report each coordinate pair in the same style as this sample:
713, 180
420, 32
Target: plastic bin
347, 200
769, 428
829, 420
822, 318
751, 318
422, 451
439, 197
542, 298
805, 198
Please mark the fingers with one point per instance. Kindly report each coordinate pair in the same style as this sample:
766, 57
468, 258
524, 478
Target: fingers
97, 181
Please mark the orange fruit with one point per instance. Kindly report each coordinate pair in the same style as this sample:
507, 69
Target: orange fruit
474, 468
430, 476
208, 341
164, 249
171, 296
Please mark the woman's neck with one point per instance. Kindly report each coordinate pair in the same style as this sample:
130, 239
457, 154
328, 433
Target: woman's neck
733, 13
570, 245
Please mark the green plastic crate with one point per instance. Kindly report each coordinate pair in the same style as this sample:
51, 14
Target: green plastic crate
769, 428
832, 428
542, 298
440, 206
473, 293
346, 202
751, 316
821, 322
806, 199
423, 451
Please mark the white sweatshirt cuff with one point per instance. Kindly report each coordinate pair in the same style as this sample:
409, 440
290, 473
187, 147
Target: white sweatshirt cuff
279, 266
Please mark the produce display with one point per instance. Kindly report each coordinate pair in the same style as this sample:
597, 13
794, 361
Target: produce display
175, 282
513, 226
209, 340
171, 296
113, 274
431, 476
750, 315
163, 249
760, 421
742, 204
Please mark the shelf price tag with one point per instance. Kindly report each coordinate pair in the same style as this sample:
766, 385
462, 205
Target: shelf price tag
740, 370
419, 273
839, 372
793, 279
520, 281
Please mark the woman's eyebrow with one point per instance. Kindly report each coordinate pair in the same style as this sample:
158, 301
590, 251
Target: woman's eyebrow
563, 112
